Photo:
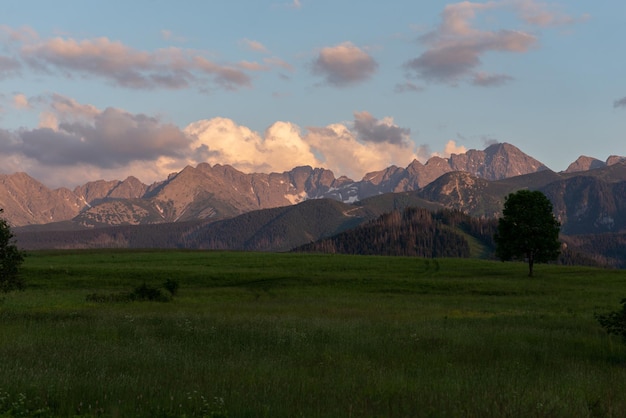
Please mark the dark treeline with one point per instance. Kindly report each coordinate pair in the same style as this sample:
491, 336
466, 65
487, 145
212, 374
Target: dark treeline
409, 232
414, 232
608, 250
165, 235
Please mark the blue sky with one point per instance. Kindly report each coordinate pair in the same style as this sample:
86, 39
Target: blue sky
92, 90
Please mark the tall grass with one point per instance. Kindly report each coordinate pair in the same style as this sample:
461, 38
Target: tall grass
283, 335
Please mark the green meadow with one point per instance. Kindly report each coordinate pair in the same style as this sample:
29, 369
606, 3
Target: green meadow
289, 335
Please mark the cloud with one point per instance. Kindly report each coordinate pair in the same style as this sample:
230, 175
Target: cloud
77, 142
544, 15
488, 141
254, 45
68, 107
344, 64
24, 34
488, 80
229, 78
114, 139
224, 142
344, 154
406, 87
277, 62
83, 140
8, 67
20, 101
620, 103
456, 46
370, 129
168, 35
450, 148
121, 65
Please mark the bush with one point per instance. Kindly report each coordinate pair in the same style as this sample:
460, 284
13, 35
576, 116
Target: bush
145, 292
140, 293
171, 286
111, 297
615, 322
10, 260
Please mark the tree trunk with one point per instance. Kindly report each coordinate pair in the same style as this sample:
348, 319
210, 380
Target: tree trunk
531, 262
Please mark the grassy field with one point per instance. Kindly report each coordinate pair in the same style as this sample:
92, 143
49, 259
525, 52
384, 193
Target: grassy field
287, 335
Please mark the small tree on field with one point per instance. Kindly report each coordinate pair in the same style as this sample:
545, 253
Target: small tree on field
528, 229
10, 259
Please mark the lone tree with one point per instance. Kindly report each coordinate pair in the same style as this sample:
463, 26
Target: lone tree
10, 259
528, 229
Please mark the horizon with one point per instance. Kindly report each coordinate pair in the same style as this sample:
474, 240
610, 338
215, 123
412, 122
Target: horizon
336, 175
265, 86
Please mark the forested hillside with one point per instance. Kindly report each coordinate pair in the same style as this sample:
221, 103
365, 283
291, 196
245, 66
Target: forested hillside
415, 232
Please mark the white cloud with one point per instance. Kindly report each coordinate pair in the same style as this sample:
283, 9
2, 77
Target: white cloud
76, 143
450, 148
224, 142
344, 154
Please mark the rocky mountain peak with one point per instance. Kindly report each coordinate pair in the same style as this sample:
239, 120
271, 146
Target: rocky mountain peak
220, 191
496, 162
26, 201
584, 163
615, 159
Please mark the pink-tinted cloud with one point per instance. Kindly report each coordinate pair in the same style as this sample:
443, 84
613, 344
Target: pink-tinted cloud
20, 101
544, 15
456, 46
344, 64
24, 34
227, 77
170, 68
102, 57
277, 62
254, 45
490, 80
450, 148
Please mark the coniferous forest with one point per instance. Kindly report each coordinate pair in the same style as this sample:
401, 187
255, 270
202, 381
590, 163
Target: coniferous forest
414, 232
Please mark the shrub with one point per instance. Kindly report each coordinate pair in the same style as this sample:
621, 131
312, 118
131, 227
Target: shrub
111, 297
140, 293
171, 286
615, 322
145, 292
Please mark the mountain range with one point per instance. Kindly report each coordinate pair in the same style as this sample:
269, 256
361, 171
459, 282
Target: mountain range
220, 207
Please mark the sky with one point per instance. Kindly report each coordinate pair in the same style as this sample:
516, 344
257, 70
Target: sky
103, 90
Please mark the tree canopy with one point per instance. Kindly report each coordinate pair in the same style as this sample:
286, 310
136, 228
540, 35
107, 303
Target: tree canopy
528, 229
10, 259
